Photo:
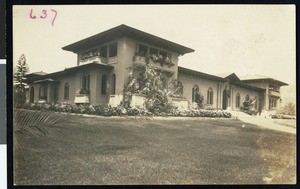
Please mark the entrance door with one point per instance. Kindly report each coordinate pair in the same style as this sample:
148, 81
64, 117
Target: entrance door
31, 100
225, 100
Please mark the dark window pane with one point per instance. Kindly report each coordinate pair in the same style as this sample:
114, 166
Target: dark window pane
103, 51
113, 50
143, 49
153, 51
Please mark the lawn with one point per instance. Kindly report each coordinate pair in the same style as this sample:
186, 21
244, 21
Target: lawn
143, 150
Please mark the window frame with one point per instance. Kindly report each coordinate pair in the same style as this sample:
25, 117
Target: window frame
66, 91
210, 96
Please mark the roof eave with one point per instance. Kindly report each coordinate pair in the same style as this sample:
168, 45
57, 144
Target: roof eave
281, 83
121, 31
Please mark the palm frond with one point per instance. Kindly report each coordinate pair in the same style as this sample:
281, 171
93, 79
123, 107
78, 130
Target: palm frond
31, 123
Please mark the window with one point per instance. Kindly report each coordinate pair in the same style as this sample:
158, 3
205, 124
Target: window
273, 103
237, 100
103, 51
88, 82
103, 84
85, 83
113, 87
142, 49
163, 54
113, 50
43, 92
66, 91
153, 51
210, 96
31, 100
195, 93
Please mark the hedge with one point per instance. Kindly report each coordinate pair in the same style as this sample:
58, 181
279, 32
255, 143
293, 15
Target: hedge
107, 110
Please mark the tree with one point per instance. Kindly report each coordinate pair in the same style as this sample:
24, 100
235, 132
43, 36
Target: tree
20, 70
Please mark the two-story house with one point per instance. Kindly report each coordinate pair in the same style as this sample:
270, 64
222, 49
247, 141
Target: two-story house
105, 61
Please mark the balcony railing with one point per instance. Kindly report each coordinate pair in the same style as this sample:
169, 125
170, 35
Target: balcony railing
141, 61
274, 93
99, 59
95, 59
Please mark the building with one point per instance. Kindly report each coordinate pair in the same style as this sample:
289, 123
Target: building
105, 61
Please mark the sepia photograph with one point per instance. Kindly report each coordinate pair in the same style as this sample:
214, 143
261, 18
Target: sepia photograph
154, 94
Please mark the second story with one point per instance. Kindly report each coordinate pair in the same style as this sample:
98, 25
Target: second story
271, 85
124, 46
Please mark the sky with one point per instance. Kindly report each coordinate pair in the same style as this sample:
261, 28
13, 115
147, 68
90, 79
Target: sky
244, 39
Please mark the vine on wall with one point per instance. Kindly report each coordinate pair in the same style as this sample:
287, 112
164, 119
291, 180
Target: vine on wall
155, 58
152, 84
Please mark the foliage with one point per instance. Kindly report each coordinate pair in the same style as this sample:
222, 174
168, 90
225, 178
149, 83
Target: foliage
176, 89
34, 123
281, 116
155, 58
248, 106
20, 70
288, 109
107, 110
131, 88
84, 91
157, 96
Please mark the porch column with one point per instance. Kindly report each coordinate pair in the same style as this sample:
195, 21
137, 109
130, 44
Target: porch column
232, 97
267, 107
220, 95
48, 93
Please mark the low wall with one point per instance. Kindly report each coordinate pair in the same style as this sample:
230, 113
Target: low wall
182, 104
115, 100
138, 101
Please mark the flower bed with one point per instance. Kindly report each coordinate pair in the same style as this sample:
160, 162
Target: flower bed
281, 116
107, 110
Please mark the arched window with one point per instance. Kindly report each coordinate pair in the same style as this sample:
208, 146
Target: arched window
210, 96
66, 91
43, 92
195, 93
83, 83
103, 84
113, 87
88, 82
237, 100
31, 100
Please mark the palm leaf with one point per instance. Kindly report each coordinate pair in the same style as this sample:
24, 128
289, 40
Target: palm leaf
32, 123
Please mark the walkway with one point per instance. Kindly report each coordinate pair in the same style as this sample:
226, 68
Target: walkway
263, 121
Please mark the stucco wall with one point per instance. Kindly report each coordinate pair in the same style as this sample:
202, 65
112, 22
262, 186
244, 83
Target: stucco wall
243, 92
71, 80
188, 83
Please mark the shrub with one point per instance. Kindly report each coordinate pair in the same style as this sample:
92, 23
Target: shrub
288, 109
107, 110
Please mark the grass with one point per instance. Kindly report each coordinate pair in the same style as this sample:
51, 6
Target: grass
141, 150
